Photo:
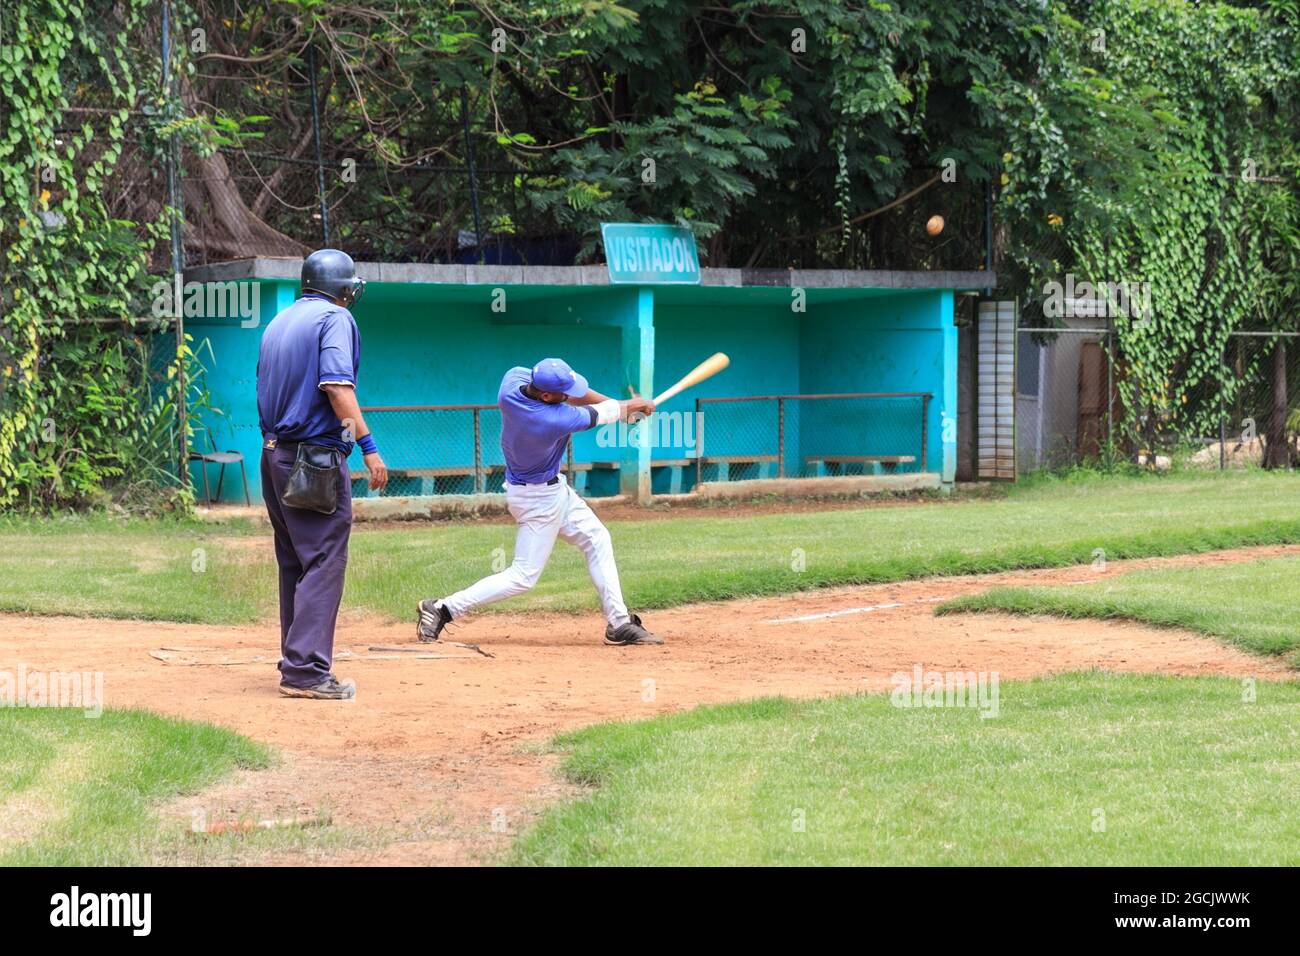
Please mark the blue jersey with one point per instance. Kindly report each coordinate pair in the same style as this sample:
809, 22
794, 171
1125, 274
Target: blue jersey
313, 342
533, 433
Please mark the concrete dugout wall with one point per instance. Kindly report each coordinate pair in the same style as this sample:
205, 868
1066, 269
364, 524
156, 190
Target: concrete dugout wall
445, 334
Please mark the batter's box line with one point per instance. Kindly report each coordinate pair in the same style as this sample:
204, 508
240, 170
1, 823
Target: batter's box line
851, 610
879, 607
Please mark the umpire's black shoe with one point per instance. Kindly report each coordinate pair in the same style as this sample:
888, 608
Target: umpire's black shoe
329, 689
630, 633
433, 617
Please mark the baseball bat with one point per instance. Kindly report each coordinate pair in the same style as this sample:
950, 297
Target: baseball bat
712, 365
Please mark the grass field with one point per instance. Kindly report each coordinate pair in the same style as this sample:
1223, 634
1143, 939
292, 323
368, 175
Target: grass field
1083, 769
84, 792
98, 567
1178, 771
147, 570
1253, 604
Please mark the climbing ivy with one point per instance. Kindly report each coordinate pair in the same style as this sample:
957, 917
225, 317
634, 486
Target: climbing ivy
1148, 147
79, 410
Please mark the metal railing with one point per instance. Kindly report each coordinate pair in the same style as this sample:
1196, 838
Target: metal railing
1070, 393
455, 448
426, 446
830, 433
429, 447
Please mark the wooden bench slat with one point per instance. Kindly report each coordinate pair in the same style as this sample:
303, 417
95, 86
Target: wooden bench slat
467, 471
883, 459
456, 471
711, 460
460, 471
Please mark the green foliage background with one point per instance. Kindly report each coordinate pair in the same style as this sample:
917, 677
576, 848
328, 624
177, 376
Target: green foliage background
79, 411
1114, 134
1164, 136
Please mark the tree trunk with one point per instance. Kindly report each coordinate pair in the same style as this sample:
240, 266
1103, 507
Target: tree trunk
264, 198
1277, 454
218, 222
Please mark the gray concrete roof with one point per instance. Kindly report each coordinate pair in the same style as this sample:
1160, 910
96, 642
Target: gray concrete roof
597, 275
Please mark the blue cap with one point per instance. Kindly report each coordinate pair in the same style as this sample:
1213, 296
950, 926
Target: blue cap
554, 375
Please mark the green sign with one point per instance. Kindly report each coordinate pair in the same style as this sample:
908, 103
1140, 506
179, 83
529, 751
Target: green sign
650, 254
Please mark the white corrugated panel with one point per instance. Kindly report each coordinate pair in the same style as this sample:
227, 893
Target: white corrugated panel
995, 399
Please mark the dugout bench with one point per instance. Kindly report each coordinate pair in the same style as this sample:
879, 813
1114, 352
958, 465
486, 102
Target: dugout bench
465, 480
821, 466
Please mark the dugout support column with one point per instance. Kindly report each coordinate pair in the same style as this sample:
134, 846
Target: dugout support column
636, 315
946, 390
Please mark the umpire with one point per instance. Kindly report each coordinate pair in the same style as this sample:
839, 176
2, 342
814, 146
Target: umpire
309, 413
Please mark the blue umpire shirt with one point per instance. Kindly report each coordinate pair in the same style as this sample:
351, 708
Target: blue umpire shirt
533, 433
313, 342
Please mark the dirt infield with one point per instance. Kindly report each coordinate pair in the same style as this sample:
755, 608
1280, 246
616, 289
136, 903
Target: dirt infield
440, 760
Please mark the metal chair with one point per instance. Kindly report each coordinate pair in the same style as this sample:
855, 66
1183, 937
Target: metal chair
222, 458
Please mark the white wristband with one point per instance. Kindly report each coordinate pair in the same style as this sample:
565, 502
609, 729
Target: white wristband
608, 411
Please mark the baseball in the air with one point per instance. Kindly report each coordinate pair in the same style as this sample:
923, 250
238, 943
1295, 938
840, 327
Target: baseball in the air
935, 225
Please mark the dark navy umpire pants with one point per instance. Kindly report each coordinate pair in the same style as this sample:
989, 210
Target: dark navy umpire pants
312, 552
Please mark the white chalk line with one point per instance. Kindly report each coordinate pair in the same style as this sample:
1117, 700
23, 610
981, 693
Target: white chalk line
879, 607
851, 610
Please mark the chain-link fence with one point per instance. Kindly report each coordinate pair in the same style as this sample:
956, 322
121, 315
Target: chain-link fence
321, 172
1074, 388
437, 449
438, 187
456, 449
292, 205
304, 139
475, 206
1080, 397
803, 436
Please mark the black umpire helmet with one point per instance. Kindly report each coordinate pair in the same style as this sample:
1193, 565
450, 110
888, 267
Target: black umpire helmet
332, 273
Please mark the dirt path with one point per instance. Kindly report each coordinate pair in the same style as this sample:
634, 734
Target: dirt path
441, 759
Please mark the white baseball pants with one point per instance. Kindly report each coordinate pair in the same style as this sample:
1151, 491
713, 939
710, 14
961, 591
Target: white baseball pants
543, 513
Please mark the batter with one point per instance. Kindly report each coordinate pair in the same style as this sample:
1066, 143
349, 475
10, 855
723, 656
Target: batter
540, 408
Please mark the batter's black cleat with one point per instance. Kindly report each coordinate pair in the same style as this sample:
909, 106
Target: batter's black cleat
329, 689
433, 617
630, 633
